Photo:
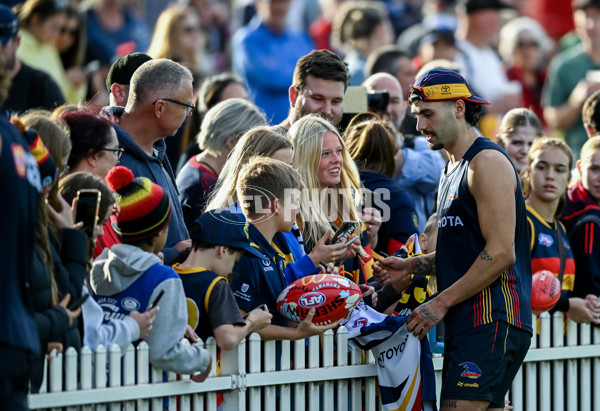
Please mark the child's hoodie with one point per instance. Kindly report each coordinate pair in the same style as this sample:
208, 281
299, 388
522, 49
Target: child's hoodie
113, 274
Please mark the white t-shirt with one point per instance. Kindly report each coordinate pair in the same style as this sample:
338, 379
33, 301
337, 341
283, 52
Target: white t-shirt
484, 72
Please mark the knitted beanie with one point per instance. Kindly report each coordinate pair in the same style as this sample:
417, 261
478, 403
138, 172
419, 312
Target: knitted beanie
46, 164
145, 207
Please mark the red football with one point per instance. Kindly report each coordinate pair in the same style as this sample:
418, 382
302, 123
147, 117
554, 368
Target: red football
545, 291
332, 296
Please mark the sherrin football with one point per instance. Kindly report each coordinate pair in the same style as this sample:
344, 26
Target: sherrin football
545, 291
332, 296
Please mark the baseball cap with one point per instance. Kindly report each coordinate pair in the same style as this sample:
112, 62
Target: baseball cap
471, 6
582, 4
122, 70
9, 26
443, 85
436, 35
224, 227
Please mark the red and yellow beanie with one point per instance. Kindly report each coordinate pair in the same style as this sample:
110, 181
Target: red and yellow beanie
145, 207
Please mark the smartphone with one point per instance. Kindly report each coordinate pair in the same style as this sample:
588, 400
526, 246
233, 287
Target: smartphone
92, 66
156, 300
342, 234
88, 203
73, 305
262, 307
352, 241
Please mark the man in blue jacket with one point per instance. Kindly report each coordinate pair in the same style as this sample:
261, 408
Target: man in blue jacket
160, 98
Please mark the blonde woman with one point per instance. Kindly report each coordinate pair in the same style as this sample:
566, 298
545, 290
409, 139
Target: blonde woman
178, 36
332, 192
263, 141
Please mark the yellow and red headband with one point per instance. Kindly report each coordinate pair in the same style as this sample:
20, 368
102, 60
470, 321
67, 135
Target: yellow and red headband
443, 85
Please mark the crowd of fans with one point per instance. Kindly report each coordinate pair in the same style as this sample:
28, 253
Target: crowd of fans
227, 153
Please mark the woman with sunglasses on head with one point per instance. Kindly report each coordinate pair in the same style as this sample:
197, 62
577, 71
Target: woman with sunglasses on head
95, 150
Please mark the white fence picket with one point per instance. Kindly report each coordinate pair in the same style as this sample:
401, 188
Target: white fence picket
254, 367
299, 364
568, 363
342, 361
285, 393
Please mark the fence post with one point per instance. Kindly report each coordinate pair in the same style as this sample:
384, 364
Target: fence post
558, 366
143, 370
254, 367
233, 363
585, 369
596, 381
544, 374
129, 374
86, 372
356, 383
342, 360
313, 362
531, 373
211, 397
285, 393
270, 354
299, 364
328, 363
572, 383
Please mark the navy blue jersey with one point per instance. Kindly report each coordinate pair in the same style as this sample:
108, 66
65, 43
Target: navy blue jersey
204, 291
544, 249
257, 281
459, 244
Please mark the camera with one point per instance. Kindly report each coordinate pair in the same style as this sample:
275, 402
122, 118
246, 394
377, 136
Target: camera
378, 100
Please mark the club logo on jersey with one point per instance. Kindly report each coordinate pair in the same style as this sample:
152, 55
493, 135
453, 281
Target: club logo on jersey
453, 193
470, 370
130, 304
245, 287
360, 322
20, 160
545, 239
312, 300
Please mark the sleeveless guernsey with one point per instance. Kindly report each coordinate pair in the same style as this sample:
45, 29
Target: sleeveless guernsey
459, 244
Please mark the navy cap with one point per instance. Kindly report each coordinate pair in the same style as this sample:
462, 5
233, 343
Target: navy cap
224, 227
9, 26
443, 85
438, 34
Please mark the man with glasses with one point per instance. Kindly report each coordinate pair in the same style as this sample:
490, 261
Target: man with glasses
160, 99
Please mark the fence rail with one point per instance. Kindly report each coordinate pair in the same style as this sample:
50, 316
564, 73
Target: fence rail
561, 372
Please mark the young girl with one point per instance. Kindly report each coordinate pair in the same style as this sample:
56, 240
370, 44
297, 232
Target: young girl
582, 220
518, 129
332, 191
545, 183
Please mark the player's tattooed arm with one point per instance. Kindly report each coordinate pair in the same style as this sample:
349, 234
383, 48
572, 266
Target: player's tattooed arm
429, 316
425, 265
484, 255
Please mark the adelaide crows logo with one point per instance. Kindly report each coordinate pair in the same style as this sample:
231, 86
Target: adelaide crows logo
470, 370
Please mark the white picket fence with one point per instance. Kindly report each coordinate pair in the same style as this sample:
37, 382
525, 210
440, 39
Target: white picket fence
561, 372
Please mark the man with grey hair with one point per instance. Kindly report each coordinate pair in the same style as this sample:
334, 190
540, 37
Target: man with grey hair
160, 98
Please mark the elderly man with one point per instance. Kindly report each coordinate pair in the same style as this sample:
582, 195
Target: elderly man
160, 99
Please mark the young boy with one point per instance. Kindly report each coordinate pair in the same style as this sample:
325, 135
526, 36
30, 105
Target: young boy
269, 194
129, 276
219, 239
